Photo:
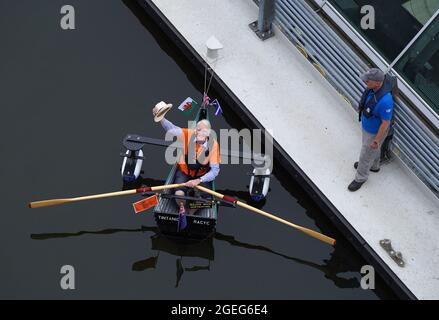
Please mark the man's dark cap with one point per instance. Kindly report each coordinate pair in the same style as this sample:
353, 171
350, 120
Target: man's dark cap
373, 74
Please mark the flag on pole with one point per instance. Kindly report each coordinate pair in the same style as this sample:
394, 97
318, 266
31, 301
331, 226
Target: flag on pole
217, 106
187, 106
145, 204
206, 100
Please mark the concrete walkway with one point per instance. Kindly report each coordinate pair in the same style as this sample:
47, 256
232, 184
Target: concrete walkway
320, 131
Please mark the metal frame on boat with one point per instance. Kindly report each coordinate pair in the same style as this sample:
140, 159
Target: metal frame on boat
201, 224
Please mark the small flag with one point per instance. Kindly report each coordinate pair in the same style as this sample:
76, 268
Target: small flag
217, 106
145, 204
182, 222
187, 106
206, 100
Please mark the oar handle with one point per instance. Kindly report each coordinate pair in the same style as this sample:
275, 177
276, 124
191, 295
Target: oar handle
167, 186
214, 193
307, 231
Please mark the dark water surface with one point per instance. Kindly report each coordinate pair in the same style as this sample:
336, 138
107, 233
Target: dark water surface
67, 100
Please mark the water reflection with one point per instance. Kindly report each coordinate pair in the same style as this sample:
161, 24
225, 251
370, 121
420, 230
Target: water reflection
330, 269
149, 263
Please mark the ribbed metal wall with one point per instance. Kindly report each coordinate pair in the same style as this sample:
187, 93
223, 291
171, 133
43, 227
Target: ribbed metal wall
413, 142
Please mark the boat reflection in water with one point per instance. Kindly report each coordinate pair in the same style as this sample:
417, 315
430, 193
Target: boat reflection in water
331, 269
159, 243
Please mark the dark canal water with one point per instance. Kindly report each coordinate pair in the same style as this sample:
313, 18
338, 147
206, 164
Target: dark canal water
67, 100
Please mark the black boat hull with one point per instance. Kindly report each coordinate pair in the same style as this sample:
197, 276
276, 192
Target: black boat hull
198, 228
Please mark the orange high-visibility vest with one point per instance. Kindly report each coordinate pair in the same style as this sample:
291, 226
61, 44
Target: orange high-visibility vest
192, 167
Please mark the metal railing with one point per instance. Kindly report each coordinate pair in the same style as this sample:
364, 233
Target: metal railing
413, 142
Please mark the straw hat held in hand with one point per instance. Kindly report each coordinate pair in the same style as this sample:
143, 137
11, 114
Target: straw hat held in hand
160, 110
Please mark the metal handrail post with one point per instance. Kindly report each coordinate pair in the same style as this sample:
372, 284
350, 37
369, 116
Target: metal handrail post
263, 27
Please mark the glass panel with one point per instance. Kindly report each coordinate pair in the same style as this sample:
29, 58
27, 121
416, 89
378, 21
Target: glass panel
420, 65
396, 21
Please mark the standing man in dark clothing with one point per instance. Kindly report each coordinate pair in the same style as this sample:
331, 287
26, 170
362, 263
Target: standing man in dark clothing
376, 107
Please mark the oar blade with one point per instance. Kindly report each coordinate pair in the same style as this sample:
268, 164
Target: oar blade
318, 236
54, 202
309, 232
47, 203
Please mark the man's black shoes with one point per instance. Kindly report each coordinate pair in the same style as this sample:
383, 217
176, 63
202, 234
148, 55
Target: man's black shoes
373, 170
354, 186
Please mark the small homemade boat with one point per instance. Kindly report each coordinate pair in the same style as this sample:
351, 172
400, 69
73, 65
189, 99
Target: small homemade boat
201, 224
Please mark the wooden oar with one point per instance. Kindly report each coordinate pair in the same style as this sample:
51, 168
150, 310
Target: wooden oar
309, 232
54, 202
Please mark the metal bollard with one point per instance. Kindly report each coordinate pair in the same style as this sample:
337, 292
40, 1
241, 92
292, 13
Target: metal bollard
263, 26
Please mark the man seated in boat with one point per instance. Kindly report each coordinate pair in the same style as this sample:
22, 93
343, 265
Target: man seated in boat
201, 159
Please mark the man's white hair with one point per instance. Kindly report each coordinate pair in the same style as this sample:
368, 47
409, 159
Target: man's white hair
206, 123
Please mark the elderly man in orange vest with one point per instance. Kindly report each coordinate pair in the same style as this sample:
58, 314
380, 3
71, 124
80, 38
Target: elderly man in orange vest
199, 163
